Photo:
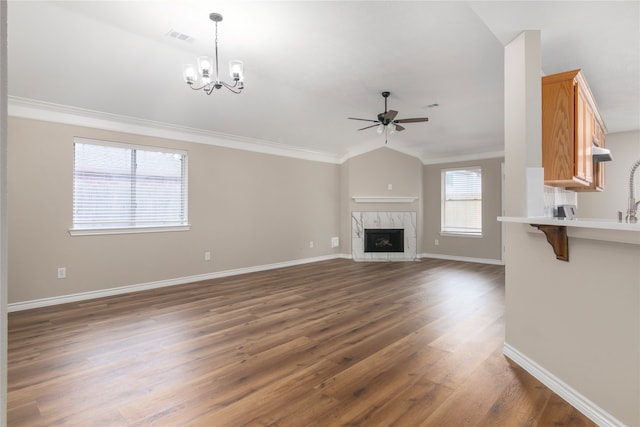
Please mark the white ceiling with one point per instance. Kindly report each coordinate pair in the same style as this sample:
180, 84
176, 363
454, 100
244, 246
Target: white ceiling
311, 64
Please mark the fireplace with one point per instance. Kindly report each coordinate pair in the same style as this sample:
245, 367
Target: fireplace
390, 236
384, 240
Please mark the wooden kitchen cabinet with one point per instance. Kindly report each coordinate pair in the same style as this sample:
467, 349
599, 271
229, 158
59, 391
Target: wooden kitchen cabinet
598, 181
571, 125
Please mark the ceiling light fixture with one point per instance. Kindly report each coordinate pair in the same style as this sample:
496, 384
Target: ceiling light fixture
202, 79
386, 122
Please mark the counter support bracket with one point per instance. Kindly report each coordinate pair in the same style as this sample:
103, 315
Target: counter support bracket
557, 238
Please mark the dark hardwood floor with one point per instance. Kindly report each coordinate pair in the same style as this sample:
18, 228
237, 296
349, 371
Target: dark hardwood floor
334, 343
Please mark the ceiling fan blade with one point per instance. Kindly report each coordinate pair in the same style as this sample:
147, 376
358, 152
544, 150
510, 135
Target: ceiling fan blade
414, 120
400, 128
364, 120
367, 127
391, 114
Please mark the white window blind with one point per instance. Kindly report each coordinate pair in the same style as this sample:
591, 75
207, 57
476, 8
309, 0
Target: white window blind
462, 201
118, 186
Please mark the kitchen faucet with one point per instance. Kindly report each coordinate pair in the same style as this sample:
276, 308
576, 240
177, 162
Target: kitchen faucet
632, 211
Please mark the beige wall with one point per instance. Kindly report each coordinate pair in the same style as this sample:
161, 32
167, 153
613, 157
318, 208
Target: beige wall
577, 320
370, 175
625, 150
248, 209
489, 245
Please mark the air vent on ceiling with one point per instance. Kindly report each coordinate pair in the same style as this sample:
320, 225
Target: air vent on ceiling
179, 36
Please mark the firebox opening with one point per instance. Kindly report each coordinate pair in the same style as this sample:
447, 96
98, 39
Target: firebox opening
384, 240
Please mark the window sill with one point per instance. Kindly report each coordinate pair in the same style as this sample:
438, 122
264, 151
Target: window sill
451, 233
384, 199
127, 230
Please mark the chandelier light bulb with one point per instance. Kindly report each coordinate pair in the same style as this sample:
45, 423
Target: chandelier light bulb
189, 74
380, 128
204, 64
236, 70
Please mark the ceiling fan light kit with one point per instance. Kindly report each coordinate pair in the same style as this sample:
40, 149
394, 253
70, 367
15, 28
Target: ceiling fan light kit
206, 76
386, 122
390, 128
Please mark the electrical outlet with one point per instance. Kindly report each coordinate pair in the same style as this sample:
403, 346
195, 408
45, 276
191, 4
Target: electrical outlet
311, 244
62, 272
335, 242
389, 187
436, 242
207, 256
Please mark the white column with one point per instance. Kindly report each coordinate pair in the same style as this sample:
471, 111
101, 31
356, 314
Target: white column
524, 183
3, 212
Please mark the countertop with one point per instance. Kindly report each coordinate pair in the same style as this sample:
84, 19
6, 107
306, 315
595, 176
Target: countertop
596, 223
586, 228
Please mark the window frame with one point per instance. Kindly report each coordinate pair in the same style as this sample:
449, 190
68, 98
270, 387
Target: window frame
443, 200
92, 231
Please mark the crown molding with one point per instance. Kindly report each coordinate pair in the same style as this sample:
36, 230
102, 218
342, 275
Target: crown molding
39, 110
463, 158
49, 112
369, 147
425, 161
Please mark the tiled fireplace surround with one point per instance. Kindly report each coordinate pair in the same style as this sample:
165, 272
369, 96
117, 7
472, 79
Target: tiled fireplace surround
379, 220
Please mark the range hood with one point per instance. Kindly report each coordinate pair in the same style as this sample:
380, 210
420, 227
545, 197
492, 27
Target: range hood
601, 154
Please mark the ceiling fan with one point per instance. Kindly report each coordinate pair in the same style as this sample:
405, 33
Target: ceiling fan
387, 122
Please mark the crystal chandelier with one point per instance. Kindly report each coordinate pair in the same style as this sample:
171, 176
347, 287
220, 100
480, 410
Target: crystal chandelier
208, 79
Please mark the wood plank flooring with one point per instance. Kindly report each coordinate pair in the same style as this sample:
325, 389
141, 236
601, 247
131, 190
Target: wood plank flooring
334, 343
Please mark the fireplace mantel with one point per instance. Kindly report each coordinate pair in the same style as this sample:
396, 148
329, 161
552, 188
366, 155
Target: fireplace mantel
384, 199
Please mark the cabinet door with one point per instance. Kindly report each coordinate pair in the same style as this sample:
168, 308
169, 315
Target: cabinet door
598, 168
558, 132
583, 165
598, 172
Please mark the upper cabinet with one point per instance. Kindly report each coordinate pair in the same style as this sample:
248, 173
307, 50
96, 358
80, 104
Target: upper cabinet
571, 126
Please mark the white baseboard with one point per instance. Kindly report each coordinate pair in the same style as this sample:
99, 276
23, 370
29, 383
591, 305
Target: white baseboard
83, 296
462, 258
575, 399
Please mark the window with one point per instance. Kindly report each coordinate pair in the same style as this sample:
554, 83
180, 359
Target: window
462, 201
126, 188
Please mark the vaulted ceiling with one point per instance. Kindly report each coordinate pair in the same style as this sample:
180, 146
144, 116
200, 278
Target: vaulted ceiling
311, 64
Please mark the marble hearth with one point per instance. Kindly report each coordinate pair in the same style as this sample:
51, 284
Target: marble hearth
361, 221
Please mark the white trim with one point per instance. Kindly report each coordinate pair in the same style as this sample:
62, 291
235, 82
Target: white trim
375, 144
462, 258
376, 199
463, 158
573, 397
424, 159
127, 230
461, 234
503, 227
83, 296
49, 112
45, 111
